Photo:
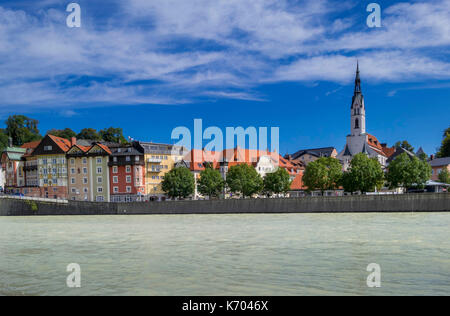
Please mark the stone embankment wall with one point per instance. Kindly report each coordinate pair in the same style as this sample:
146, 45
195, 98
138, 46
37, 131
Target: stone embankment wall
347, 204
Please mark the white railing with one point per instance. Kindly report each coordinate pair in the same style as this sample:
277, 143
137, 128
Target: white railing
154, 160
12, 197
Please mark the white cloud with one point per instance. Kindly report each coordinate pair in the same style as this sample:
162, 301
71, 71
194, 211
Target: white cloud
220, 48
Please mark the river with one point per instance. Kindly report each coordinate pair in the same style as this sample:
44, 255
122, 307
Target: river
297, 254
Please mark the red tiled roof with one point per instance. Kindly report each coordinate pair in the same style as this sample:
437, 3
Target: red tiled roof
105, 148
375, 144
31, 145
389, 151
62, 143
297, 184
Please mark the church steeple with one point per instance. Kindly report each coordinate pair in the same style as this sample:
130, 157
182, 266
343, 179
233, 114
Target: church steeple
358, 110
357, 79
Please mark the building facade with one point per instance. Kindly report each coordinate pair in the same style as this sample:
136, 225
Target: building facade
13, 168
438, 165
159, 160
30, 169
52, 166
88, 173
127, 173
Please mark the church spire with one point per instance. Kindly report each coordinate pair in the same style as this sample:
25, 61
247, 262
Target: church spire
357, 79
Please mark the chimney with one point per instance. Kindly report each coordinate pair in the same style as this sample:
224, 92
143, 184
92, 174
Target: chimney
74, 141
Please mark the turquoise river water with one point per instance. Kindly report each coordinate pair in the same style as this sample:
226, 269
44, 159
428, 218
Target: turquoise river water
298, 254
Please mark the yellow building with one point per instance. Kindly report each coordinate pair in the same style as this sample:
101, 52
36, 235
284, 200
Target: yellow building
159, 160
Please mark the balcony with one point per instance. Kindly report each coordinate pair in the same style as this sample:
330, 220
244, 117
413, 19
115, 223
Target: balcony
155, 170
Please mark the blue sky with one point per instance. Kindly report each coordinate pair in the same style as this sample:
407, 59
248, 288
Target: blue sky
150, 66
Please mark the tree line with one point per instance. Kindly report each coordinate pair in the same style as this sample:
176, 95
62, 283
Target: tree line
366, 174
242, 180
23, 129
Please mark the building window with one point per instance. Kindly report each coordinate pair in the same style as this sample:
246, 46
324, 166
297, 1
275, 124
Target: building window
128, 169
115, 169
84, 161
100, 190
116, 189
85, 171
99, 170
74, 190
72, 171
48, 148
72, 161
85, 190
99, 160
128, 189
99, 180
115, 179
137, 158
54, 161
128, 179
356, 123
115, 159
128, 158
72, 180
85, 180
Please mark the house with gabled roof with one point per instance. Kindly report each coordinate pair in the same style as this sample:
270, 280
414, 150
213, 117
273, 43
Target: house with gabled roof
52, 166
88, 173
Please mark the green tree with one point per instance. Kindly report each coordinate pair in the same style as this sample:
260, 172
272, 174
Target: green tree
277, 182
3, 140
365, 174
323, 174
444, 151
211, 183
22, 129
444, 176
446, 132
405, 145
66, 133
113, 135
89, 134
245, 180
179, 183
407, 172
348, 183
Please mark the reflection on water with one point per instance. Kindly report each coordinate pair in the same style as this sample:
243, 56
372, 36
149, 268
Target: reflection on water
299, 254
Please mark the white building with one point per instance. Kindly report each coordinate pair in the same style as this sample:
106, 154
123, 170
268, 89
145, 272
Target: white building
2, 178
359, 141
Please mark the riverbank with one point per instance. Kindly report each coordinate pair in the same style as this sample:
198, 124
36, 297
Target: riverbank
430, 202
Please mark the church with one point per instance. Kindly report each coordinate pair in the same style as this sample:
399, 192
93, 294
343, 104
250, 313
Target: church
359, 141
